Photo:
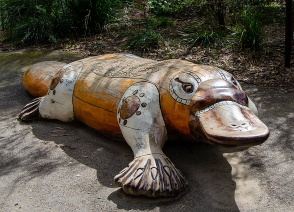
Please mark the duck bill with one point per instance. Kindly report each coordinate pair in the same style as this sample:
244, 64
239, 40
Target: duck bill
229, 123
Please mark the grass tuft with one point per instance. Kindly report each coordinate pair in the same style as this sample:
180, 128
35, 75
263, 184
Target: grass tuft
248, 29
144, 41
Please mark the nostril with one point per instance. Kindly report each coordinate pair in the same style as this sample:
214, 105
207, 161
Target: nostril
241, 127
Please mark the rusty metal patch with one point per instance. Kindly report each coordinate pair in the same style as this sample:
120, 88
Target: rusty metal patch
57, 77
129, 106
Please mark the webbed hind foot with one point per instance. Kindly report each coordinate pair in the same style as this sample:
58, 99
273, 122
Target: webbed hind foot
31, 111
152, 175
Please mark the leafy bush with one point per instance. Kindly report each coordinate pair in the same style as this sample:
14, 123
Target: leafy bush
167, 7
41, 20
159, 7
28, 20
201, 34
159, 22
206, 38
91, 15
144, 41
248, 28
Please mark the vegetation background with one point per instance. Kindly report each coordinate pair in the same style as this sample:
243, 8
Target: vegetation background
245, 37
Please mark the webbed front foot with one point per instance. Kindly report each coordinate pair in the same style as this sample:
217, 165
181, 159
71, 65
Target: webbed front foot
152, 175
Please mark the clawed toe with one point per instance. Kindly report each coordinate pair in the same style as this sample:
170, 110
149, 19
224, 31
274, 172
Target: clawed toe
152, 176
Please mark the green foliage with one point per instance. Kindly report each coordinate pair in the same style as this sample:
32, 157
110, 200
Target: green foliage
144, 41
28, 20
219, 11
166, 7
159, 22
159, 7
91, 15
148, 39
248, 28
42, 21
205, 38
203, 35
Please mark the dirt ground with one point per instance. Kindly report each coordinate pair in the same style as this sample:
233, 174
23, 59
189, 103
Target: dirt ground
54, 166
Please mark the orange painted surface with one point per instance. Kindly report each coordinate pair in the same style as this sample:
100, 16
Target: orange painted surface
37, 78
96, 97
37, 82
95, 102
110, 56
176, 115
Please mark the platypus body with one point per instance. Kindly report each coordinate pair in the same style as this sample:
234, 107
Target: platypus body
144, 102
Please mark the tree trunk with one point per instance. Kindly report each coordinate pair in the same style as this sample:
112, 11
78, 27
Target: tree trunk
288, 33
221, 13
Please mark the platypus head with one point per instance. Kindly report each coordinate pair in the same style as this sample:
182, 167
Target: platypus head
219, 110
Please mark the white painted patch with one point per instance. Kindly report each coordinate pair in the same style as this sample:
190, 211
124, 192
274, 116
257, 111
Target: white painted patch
252, 106
220, 104
145, 133
58, 104
228, 77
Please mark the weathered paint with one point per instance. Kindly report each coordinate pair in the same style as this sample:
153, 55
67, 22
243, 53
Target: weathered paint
58, 102
232, 118
145, 133
144, 101
140, 130
37, 78
95, 102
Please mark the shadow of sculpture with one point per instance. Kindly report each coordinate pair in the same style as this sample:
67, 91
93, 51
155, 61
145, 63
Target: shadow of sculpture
209, 174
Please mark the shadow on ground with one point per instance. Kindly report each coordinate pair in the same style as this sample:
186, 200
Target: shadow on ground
209, 174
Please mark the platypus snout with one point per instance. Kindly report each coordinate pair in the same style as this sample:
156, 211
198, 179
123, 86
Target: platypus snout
216, 90
220, 112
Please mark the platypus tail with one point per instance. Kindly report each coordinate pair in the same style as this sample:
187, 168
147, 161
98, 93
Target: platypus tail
37, 80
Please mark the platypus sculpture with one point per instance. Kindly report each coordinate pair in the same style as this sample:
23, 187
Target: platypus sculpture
145, 102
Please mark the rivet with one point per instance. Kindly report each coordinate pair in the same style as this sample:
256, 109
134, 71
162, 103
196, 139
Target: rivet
54, 92
142, 94
125, 122
138, 113
119, 120
135, 92
143, 104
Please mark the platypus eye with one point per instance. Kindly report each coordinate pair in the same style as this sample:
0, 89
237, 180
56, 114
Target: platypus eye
187, 87
183, 86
